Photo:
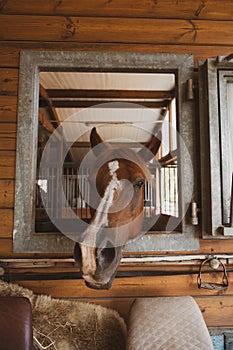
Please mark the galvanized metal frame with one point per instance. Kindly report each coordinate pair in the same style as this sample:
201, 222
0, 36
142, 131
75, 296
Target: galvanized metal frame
225, 77
31, 63
213, 136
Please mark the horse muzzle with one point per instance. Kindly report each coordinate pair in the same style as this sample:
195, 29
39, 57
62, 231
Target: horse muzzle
97, 285
101, 274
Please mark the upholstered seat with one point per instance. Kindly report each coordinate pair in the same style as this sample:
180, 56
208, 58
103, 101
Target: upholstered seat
167, 323
15, 323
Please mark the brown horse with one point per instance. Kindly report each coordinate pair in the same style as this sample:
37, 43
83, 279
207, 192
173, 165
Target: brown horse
118, 177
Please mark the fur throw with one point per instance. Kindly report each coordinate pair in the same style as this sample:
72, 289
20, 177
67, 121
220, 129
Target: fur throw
69, 324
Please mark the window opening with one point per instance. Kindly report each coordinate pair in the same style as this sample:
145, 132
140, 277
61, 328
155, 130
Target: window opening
64, 94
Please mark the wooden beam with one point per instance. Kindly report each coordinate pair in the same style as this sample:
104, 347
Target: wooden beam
105, 104
84, 93
115, 30
169, 158
48, 104
214, 9
46, 122
128, 287
86, 144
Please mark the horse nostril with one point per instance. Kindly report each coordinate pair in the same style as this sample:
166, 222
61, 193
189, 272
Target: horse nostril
106, 255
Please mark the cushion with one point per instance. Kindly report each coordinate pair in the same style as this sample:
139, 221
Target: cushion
167, 323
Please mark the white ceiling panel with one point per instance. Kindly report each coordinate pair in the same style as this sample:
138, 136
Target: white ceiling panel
107, 81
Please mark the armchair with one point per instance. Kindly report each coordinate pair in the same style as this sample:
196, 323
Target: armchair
15, 323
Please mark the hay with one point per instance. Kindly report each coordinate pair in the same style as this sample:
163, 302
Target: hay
70, 324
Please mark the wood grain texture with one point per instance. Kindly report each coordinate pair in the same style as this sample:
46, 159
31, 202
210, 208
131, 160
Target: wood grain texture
127, 287
9, 81
8, 136
8, 109
212, 9
6, 220
120, 305
7, 194
7, 142
217, 311
116, 30
7, 165
212, 246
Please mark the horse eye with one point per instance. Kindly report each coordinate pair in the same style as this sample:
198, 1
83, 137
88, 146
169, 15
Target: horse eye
138, 184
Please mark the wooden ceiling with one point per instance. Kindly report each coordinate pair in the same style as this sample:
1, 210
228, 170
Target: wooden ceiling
124, 106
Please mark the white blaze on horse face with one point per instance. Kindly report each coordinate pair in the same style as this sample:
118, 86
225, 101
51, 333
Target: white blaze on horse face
100, 220
101, 215
113, 166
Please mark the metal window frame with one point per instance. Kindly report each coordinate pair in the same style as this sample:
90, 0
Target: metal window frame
213, 144
225, 77
31, 64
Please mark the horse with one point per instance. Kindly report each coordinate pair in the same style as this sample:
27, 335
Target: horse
118, 177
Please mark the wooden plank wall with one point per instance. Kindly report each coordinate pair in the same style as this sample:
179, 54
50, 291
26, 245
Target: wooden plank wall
202, 28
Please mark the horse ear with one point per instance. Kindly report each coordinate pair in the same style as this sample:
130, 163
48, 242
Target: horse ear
151, 148
97, 140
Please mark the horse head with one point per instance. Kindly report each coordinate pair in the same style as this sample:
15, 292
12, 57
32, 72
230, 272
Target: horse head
118, 176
